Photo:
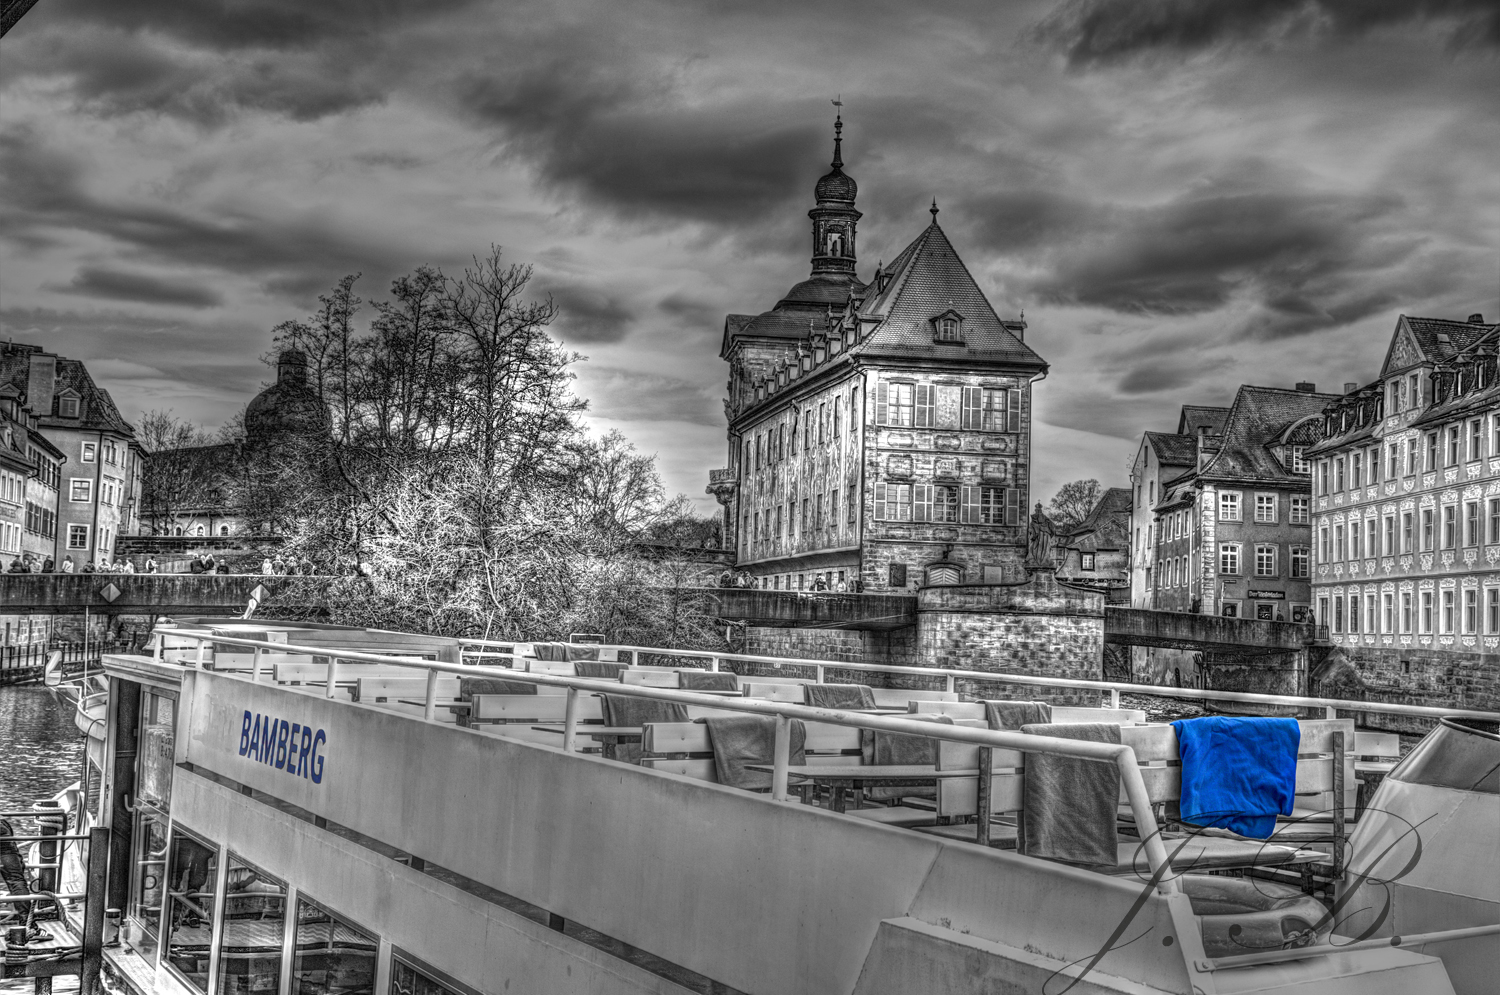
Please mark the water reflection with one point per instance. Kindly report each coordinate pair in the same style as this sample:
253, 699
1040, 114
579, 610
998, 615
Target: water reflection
43, 749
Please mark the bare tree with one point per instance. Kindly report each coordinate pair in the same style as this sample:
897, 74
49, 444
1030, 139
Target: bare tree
178, 473
1073, 501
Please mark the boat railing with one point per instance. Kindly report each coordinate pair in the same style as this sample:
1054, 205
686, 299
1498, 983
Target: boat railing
1122, 756
1162, 879
951, 677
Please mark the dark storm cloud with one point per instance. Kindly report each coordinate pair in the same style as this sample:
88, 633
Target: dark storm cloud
1304, 258
1101, 31
42, 190
587, 314
278, 24
629, 395
93, 281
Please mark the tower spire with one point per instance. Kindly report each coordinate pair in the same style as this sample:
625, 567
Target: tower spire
838, 133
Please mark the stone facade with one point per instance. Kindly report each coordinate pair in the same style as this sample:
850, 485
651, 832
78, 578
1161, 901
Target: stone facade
880, 432
1035, 627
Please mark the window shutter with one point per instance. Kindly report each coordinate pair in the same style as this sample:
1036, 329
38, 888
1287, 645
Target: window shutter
882, 407
880, 490
1013, 506
1015, 410
922, 503
969, 508
969, 419
924, 406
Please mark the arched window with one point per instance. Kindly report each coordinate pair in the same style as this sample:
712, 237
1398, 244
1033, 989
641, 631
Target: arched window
200, 531
944, 574
948, 329
223, 530
177, 531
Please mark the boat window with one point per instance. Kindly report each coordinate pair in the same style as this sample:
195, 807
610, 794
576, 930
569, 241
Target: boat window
191, 875
150, 842
410, 976
254, 918
158, 738
332, 957
1454, 756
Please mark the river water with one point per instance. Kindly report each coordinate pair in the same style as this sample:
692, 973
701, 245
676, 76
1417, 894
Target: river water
41, 750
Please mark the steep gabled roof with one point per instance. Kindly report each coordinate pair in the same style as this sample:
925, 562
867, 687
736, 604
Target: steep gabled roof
1173, 450
1418, 340
1257, 418
926, 279
1195, 416
96, 408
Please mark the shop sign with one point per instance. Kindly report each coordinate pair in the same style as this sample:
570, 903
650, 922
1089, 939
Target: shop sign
1268, 595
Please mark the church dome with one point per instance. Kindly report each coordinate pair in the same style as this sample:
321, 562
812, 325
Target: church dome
287, 407
837, 185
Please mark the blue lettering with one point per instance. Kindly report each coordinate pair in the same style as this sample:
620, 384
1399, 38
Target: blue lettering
304, 751
245, 734
317, 759
267, 740
281, 731
291, 749
254, 748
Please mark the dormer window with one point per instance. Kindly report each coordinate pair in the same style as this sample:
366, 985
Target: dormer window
67, 406
948, 327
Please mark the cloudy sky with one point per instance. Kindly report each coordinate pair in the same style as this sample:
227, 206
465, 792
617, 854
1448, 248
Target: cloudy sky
1182, 195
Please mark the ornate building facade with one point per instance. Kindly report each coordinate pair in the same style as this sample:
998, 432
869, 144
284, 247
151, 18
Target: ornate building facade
1406, 491
879, 432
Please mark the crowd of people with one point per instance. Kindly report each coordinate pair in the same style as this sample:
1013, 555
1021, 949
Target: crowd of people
205, 563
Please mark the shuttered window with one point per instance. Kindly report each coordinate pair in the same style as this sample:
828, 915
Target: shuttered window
924, 405
894, 404
893, 502
921, 503
990, 409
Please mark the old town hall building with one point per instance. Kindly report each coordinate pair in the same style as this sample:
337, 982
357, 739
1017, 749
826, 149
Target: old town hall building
880, 432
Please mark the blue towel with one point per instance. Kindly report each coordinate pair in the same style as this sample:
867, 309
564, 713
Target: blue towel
1238, 774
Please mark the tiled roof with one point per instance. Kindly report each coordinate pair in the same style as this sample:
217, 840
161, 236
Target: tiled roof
1194, 416
1106, 526
1436, 338
1173, 450
96, 408
1259, 416
926, 279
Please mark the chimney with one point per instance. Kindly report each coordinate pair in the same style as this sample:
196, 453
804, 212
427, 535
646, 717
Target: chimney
1476, 319
1307, 388
1350, 388
41, 383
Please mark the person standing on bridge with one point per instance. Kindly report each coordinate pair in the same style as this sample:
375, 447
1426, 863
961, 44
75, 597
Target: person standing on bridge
48, 565
67, 564
150, 566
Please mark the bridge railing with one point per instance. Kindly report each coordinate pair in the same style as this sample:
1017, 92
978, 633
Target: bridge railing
1111, 689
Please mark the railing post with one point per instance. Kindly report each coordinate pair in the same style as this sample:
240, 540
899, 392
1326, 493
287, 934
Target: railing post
781, 758
1329, 712
1114, 698
255, 664
93, 910
820, 673
713, 664
202, 645
949, 684
333, 672
570, 722
429, 707
982, 817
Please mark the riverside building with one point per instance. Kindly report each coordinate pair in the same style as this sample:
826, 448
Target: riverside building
880, 432
1231, 534
94, 462
1407, 510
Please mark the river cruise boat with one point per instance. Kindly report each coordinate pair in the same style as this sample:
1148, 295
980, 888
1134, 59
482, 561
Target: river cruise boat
315, 810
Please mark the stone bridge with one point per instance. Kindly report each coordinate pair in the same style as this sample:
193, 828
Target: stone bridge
1210, 633
1122, 626
148, 594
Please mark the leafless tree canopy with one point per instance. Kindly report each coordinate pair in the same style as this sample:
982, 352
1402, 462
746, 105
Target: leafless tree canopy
1073, 501
457, 470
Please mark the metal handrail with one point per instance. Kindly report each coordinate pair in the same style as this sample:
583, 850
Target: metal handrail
1114, 687
1119, 754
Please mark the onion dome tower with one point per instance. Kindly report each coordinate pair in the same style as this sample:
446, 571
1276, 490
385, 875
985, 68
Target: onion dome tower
834, 218
289, 407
